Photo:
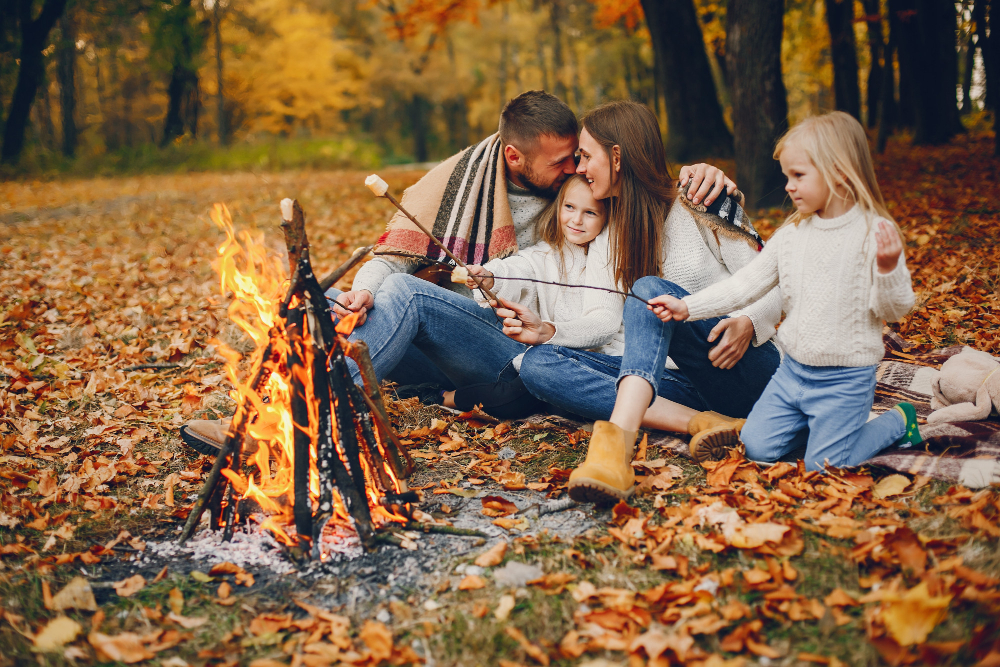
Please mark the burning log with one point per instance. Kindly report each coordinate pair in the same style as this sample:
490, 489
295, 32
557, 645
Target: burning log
346, 460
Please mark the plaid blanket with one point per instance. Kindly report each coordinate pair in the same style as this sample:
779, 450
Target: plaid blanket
966, 453
465, 198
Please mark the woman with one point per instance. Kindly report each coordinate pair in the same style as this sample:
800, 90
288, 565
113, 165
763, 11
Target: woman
718, 365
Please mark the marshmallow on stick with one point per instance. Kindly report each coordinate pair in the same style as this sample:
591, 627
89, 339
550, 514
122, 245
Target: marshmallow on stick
381, 189
459, 274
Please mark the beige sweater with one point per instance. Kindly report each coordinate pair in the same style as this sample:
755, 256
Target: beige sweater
833, 295
583, 318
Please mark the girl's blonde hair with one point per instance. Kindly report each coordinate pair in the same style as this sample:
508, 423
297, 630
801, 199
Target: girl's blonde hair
837, 146
548, 228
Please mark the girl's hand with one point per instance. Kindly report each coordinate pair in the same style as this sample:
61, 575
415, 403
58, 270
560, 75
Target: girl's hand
890, 248
522, 324
484, 276
668, 308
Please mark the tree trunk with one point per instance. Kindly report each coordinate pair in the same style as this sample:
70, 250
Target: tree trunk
418, 124
980, 16
555, 15
34, 34
182, 92
760, 108
873, 20
695, 126
937, 118
220, 97
905, 34
887, 106
968, 64
840, 20
66, 72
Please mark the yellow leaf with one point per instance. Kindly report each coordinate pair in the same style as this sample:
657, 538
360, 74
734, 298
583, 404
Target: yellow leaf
59, 632
893, 485
176, 600
76, 595
378, 639
504, 608
911, 617
753, 535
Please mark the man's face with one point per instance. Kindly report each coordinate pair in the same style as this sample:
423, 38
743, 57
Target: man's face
546, 168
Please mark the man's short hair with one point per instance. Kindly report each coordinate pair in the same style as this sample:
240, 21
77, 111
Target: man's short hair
533, 113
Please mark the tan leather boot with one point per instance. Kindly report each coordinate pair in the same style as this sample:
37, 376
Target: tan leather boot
208, 435
713, 434
606, 475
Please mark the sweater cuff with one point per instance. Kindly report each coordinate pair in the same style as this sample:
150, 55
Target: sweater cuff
896, 280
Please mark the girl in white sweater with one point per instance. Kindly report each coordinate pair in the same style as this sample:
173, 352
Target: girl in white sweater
572, 249
839, 263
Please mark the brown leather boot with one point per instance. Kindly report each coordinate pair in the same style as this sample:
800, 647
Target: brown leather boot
713, 435
606, 475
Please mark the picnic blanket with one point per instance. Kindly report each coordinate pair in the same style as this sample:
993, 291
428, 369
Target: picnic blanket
966, 453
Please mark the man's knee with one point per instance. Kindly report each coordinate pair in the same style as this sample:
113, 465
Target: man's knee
754, 438
648, 287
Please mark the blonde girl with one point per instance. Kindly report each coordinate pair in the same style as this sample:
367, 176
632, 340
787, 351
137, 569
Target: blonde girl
839, 263
572, 248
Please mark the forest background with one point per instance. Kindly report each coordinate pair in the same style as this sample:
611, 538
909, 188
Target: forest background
119, 86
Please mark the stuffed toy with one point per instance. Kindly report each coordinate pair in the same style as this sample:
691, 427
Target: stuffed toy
966, 389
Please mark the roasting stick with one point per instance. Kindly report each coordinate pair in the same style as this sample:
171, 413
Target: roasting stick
381, 189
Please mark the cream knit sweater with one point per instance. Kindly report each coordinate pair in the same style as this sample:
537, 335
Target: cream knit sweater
833, 295
583, 318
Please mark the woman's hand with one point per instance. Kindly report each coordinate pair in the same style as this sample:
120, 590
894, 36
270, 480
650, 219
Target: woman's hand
522, 324
668, 308
890, 248
485, 277
737, 332
707, 183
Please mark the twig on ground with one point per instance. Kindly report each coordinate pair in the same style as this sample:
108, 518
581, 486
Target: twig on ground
155, 367
445, 530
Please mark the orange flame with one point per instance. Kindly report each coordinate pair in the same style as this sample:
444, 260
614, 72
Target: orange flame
258, 280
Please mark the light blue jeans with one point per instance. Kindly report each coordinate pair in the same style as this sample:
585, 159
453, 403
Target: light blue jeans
824, 408
426, 333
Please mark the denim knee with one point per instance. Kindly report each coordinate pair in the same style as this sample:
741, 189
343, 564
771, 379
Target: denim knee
399, 283
535, 367
649, 286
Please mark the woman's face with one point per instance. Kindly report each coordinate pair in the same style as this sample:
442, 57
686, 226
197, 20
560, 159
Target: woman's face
595, 166
580, 216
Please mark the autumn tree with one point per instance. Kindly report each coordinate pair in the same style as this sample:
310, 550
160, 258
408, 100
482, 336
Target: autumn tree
34, 33
843, 52
695, 126
760, 108
177, 43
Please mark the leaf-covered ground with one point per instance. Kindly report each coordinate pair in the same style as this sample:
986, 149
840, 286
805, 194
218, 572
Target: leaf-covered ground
730, 563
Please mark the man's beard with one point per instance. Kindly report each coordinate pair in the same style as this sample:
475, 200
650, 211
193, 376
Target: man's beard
550, 192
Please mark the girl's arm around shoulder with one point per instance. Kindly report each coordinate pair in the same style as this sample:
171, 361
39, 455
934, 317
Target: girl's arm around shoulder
892, 288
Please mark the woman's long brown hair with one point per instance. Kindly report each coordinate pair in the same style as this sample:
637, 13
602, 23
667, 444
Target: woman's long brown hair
637, 215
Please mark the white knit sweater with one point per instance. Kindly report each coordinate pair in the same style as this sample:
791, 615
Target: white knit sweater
833, 295
695, 257
583, 318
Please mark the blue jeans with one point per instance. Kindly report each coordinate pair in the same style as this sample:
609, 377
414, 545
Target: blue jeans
824, 408
461, 341
413, 368
586, 382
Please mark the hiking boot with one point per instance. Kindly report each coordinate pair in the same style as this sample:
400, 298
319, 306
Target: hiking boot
207, 436
712, 435
606, 475
428, 393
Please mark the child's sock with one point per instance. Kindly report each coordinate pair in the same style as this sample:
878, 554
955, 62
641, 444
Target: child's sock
912, 434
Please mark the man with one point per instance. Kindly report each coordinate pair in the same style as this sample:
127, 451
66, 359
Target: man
482, 204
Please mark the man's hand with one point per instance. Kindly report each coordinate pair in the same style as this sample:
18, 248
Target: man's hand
737, 332
522, 324
485, 277
890, 248
668, 308
707, 183
353, 302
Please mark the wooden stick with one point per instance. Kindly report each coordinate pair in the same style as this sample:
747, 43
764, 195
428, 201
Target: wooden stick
435, 241
342, 270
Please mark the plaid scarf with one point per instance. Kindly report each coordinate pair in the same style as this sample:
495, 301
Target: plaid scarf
465, 197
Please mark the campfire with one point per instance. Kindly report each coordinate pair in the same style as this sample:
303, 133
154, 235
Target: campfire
326, 451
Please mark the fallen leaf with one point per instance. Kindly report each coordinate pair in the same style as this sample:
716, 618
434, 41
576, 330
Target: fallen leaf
127, 647
186, 622
497, 506
378, 639
504, 607
129, 587
536, 653
56, 634
77, 594
494, 556
176, 600
893, 485
838, 598
911, 617
471, 583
